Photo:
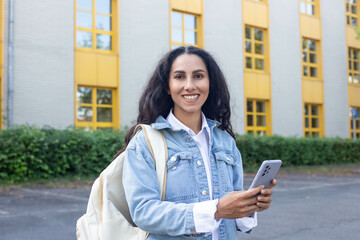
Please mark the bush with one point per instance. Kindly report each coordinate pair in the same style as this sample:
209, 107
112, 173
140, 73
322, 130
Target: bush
31, 153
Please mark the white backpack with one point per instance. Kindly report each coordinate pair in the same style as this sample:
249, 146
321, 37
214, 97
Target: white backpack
107, 215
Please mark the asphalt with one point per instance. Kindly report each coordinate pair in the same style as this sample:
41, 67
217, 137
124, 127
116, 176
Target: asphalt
304, 207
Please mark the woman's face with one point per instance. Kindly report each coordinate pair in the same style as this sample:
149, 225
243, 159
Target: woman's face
188, 85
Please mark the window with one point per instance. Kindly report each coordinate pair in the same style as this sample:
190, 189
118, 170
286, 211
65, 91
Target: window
354, 67
352, 12
256, 117
95, 108
310, 61
184, 29
312, 120
308, 7
94, 24
254, 49
357, 124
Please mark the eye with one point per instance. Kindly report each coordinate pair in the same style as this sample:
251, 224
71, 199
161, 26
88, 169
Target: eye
179, 76
199, 76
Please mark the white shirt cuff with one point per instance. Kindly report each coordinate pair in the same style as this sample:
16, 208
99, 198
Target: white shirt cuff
203, 213
245, 224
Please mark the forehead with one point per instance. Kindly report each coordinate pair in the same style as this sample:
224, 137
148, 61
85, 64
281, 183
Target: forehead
188, 62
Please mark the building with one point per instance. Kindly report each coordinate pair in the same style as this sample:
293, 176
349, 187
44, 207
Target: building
292, 65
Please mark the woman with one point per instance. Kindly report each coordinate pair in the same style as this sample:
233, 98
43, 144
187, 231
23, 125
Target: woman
188, 100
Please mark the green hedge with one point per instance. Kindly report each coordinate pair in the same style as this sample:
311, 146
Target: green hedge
31, 153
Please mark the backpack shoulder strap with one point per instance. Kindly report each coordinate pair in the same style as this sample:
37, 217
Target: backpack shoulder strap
157, 144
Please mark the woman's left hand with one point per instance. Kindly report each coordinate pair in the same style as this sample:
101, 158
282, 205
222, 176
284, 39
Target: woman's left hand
264, 199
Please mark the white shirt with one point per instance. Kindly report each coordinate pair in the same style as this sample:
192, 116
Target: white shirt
203, 212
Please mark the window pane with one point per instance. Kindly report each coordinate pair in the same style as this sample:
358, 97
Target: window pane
173, 46
356, 66
248, 46
103, 41
250, 120
176, 35
259, 48
312, 45
103, 22
261, 133
247, 33
312, 58
354, 21
350, 78
353, 9
83, 39
307, 134
259, 64
250, 106
84, 19
314, 123
258, 35
356, 78
84, 114
355, 54
189, 21
313, 72
305, 71
306, 108
314, 110
248, 62
260, 121
348, 19
350, 65
84, 4
307, 122
103, 6
304, 57
190, 37
104, 114
104, 96
310, 9
304, 44
302, 7
357, 124
315, 134
176, 19
260, 107
84, 95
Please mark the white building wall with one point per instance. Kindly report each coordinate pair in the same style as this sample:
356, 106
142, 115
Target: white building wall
223, 38
144, 39
43, 66
285, 58
334, 50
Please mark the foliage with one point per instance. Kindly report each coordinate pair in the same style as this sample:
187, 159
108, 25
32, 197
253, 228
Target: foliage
28, 152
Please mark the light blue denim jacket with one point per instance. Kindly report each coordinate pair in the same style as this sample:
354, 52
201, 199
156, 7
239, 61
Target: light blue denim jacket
186, 182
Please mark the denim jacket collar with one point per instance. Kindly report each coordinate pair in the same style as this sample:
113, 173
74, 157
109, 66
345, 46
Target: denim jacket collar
162, 123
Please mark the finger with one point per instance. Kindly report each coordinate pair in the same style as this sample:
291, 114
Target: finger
273, 183
267, 192
262, 205
252, 192
264, 199
247, 202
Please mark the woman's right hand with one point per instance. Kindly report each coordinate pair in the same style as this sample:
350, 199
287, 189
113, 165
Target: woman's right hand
238, 204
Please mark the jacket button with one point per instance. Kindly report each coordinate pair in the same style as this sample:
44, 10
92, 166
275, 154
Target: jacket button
173, 159
187, 139
198, 163
215, 189
173, 168
204, 193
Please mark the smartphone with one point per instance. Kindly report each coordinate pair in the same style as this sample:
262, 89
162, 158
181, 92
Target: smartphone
266, 173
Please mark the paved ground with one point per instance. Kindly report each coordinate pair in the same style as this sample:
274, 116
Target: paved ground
304, 207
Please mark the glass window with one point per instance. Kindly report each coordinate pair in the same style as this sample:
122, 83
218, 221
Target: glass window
312, 120
352, 12
256, 117
357, 123
354, 65
310, 59
309, 7
94, 27
254, 44
95, 108
184, 29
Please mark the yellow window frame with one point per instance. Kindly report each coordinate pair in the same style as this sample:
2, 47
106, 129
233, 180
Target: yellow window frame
349, 14
183, 29
94, 124
308, 64
252, 55
357, 124
310, 131
313, 3
255, 129
354, 60
94, 31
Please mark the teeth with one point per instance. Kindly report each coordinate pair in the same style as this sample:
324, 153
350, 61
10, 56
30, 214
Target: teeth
191, 97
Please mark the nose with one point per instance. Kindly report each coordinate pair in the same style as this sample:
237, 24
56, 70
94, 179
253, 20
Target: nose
189, 85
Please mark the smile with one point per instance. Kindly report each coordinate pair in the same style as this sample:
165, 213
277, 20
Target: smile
191, 97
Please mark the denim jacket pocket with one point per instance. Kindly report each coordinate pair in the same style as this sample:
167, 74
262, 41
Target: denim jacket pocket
180, 183
225, 163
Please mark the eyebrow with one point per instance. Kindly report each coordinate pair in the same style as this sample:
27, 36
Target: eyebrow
195, 71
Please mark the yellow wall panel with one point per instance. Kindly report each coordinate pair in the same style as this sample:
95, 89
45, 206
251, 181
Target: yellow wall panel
351, 37
313, 91
255, 14
310, 26
85, 65
354, 96
193, 6
257, 85
107, 70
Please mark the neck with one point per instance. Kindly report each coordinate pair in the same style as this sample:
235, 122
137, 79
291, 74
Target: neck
192, 121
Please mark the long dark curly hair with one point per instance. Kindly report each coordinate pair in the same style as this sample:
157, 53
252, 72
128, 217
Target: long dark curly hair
156, 101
